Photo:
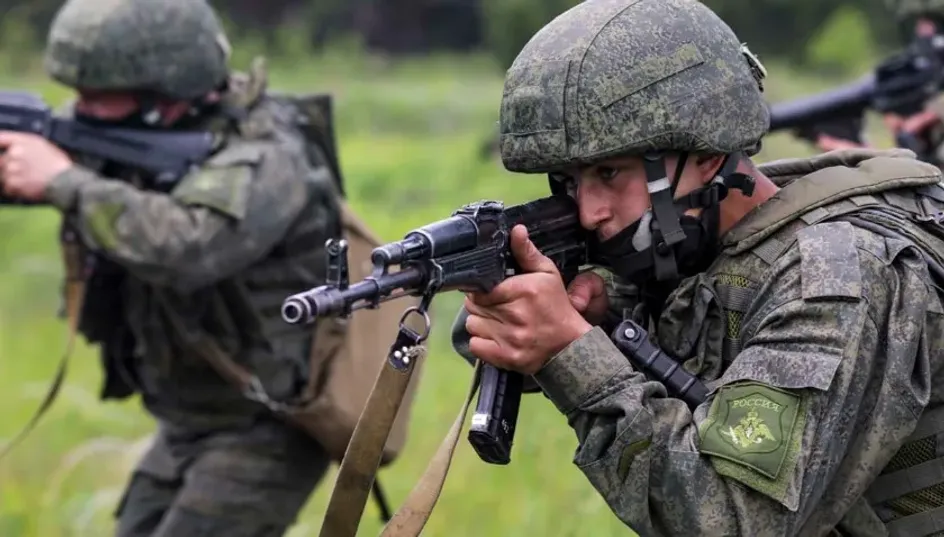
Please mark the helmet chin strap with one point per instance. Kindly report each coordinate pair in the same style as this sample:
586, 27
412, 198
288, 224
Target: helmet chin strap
664, 243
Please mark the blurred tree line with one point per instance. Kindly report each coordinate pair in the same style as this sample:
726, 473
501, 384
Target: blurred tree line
828, 35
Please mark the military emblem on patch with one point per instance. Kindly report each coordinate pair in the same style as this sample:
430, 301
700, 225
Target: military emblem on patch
751, 431
751, 424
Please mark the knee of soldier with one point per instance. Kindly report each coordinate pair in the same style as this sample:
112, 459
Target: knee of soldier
143, 505
246, 484
183, 520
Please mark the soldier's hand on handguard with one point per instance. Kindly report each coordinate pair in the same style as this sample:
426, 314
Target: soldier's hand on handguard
526, 319
587, 294
28, 163
914, 124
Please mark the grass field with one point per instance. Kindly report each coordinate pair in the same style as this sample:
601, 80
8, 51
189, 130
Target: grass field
410, 135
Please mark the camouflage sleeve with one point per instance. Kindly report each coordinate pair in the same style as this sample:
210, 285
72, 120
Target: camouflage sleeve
218, 220
801, 422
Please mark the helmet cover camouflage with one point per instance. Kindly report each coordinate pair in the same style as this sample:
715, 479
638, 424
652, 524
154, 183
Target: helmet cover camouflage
904, 9
620, 77
175, 48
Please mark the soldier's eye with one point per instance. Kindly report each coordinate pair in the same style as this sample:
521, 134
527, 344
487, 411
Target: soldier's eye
607, 173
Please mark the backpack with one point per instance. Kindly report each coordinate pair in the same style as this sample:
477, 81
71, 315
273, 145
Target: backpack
347, 354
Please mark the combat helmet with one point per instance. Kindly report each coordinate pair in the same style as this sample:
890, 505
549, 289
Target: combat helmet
906, 9
173, 48
611, 78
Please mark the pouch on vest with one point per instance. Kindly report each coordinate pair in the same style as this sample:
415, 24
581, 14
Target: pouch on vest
347, 355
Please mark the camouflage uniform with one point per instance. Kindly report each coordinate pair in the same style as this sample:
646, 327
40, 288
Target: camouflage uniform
792, 317
212, 258
818, 326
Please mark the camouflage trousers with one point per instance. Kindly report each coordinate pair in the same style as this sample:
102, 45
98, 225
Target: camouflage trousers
234, 483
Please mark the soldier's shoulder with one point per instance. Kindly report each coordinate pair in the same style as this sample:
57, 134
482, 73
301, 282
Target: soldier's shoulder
882, 163
839, 260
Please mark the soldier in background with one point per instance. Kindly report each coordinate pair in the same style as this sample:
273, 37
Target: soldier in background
922, 18
204, 265
804, 293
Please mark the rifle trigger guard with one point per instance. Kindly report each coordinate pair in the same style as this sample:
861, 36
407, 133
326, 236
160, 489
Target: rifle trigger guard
427, 323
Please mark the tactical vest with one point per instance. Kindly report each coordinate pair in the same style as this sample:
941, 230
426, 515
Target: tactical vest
892, 196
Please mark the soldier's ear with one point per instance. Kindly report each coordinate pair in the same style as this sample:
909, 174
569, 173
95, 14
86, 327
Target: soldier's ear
708, 166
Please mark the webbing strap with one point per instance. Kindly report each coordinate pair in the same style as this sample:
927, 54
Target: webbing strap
363, 455
365, 449
914, 478
930, 422
74, 296
735, 298
917, 525
415, 511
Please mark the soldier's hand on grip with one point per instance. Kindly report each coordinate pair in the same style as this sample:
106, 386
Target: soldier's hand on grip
28, 163
526, 319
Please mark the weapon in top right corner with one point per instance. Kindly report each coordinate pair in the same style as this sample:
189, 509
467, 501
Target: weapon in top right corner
902, 84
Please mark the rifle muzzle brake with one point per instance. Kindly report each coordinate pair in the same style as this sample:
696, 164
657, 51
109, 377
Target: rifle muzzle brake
296, 310
305, 307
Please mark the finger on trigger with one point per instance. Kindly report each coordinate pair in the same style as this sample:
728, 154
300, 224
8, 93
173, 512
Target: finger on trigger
14, 151
506, 291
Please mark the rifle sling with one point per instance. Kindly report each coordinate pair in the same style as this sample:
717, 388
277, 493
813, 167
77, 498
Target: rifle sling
415, 511
74, 297
364, 451
363, 455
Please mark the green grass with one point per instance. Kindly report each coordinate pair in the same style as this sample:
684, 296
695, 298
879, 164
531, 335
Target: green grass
410, 135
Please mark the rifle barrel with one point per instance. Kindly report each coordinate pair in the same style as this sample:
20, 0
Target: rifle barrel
847, 100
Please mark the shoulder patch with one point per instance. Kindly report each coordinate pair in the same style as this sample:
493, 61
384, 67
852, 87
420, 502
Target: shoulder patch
224, 182
829, 261
753, 434
751, 423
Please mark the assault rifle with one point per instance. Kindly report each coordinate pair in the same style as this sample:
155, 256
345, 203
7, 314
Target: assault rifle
902, 84
468, 251
165, 155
